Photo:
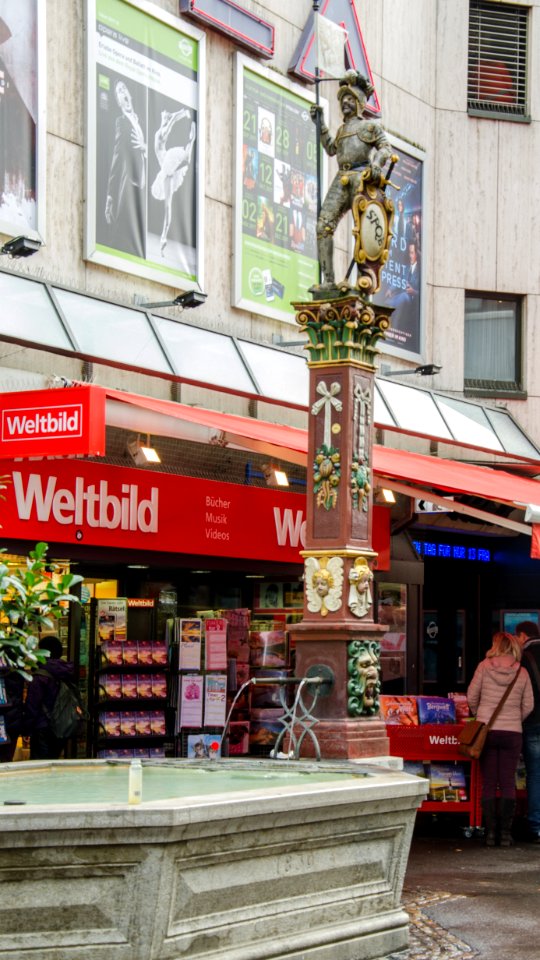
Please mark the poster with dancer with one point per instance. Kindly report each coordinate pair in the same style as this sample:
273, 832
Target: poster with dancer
276, 189
144, 154
22, 118
401, 277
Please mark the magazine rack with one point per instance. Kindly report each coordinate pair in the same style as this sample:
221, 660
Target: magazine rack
129, 693
428, 743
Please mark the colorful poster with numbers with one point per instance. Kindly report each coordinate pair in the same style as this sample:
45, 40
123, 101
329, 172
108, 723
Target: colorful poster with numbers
276, 190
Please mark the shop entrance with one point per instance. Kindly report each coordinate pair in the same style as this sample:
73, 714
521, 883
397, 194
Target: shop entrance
450, 624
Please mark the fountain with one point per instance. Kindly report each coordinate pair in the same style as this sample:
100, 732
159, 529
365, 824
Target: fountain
223, 860
262, 859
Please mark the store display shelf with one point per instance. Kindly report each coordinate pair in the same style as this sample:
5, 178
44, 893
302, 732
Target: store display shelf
438, 743
126, 704
446, 806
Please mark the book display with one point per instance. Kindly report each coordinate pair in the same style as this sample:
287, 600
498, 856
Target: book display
215, 654
425, 732
130, 682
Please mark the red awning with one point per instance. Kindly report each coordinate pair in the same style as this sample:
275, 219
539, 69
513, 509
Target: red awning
273, 439
455, 476
292, 443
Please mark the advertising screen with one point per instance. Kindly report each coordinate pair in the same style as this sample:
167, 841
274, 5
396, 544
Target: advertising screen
22, 118
144, 143
401, 277
276, 193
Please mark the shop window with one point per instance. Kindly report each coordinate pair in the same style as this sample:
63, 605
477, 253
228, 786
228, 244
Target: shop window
497, 71
492, 344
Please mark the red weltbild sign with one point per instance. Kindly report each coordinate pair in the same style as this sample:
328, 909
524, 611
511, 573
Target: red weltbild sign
57, 422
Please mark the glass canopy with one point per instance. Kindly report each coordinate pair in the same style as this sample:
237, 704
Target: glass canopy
47, 316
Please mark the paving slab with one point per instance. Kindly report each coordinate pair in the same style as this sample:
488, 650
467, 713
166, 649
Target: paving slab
469, 901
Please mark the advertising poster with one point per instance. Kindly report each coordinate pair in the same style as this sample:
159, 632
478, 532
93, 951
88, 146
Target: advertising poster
215, 705
22, 118
276, 193
215, 635
190, 639
112, 621
191, 700
401, 278
144, 149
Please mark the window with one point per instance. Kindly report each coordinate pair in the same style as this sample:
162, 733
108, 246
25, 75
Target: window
492, 343
497, 81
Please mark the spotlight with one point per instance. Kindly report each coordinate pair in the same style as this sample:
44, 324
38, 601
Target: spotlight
384, 495
274, 476
20, 247
142, 455
188, 300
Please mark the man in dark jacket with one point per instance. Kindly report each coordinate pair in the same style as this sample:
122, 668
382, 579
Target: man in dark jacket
12, 712
527, 633
42, 692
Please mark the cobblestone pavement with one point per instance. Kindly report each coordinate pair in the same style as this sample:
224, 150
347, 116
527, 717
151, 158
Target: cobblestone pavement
427, 939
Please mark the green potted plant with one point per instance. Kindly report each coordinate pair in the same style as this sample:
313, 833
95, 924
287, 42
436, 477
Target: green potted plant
30, 601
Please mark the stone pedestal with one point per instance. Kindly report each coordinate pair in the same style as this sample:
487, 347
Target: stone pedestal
338, 630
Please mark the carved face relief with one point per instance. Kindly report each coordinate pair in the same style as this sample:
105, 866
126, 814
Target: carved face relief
360, 580
324, 584
368, 673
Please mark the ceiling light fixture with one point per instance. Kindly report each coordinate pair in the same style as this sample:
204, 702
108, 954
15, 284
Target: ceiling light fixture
274, 476
142, 454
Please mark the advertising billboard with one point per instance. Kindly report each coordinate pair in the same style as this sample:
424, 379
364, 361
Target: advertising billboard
401, 278
23, 91
276, 193
145, 150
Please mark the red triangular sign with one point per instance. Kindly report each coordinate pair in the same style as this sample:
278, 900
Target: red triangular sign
342, 12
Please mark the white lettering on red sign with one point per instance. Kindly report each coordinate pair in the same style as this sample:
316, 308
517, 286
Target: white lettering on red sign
448, 740
289, 527
93, 505
37, 423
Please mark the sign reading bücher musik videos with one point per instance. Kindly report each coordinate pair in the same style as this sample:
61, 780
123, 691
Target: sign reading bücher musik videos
276, 189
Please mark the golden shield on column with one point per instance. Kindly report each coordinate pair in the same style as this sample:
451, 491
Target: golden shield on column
373, 213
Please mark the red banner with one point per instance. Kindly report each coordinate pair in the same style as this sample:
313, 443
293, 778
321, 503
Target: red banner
63, 422
75, 501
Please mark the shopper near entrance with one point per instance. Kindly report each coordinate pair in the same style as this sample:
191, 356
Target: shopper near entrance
500, 756
528, 635
40, 698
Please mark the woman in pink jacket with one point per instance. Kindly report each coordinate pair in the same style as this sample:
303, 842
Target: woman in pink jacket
501, 752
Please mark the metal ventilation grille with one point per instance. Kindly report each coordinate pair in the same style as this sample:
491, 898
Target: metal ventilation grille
497, 78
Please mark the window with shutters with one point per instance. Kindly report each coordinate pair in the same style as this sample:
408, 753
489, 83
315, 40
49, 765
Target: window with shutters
497, 75
492, 344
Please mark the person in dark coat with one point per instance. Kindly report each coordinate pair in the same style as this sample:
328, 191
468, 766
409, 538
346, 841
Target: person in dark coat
528, 635
42, 692
12, 712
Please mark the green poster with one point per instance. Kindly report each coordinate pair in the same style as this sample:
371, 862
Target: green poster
278, 247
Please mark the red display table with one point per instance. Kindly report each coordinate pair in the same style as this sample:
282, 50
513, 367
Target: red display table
438, 742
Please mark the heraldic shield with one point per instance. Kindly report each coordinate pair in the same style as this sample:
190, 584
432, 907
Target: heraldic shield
373, 215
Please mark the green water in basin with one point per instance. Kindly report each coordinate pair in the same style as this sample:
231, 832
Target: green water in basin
57, 784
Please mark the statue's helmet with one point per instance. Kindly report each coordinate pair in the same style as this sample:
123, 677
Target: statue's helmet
357, 86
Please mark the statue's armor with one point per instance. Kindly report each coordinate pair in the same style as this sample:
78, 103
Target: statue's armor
355, 141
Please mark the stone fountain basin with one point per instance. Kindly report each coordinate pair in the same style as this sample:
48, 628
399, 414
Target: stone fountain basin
284, 859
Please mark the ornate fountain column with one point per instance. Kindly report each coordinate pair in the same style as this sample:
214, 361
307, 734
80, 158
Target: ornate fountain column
338, 630
338, 633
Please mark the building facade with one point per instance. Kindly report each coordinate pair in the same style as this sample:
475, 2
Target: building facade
157, 151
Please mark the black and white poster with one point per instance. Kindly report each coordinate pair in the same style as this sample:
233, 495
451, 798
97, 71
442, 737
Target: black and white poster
144, 145
22, 117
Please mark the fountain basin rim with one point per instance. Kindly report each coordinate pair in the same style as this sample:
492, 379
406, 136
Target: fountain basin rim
350, 786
